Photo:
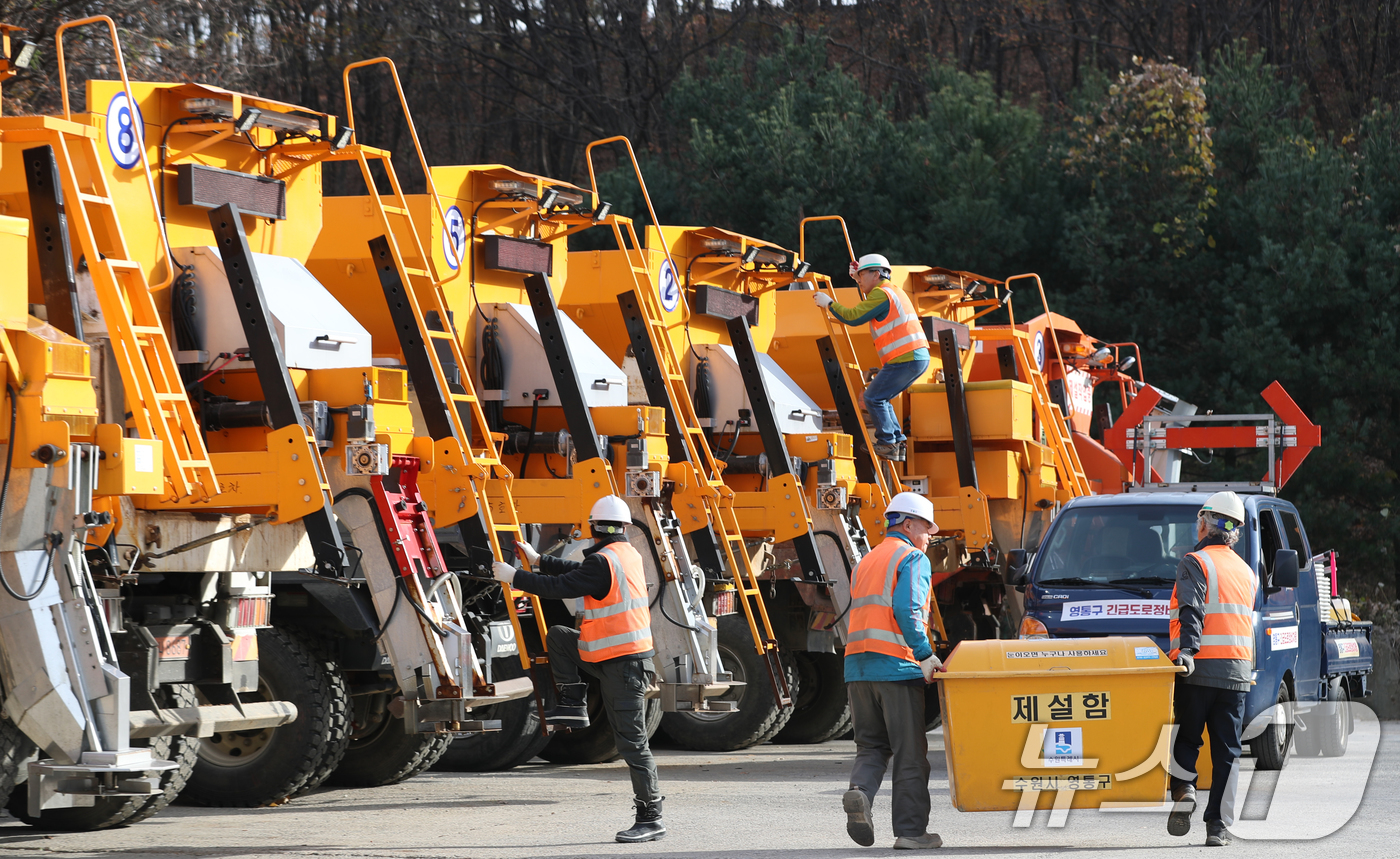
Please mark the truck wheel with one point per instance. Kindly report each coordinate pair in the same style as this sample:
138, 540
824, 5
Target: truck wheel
15, 749
758, 718
106, 812
1336, 720
1270, 748
243, 769
1307, 733
596, 743
381, 752
822, 710
340, 726
499, 750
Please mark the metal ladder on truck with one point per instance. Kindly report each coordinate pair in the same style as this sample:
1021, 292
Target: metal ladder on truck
843, 374
688, 664
721, 539
483, 508
1052, 417
71, 197
67, 691
783, 478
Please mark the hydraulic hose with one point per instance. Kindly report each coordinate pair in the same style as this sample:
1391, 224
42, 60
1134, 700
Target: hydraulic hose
704, 402
534, 422
493, 371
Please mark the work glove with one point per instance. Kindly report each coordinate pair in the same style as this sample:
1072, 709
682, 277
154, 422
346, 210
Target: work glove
529, 552
823, 300
504, 573
1187, 661
930, 667
852, 270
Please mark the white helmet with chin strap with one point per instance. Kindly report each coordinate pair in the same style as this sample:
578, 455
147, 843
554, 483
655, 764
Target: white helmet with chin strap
873, 261
610, 515
1225, 510
907, 504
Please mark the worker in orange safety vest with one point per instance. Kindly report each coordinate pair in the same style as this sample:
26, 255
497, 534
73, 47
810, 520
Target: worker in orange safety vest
1212, 637
613, 643
889, 660
900, 345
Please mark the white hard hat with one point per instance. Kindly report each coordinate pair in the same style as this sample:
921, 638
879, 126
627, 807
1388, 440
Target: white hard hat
911, 504
610, 508
1226, 504
872, 261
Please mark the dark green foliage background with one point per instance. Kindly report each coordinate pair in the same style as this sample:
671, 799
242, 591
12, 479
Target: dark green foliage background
1294, 276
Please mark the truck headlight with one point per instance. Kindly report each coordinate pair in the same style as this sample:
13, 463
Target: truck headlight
1032, 629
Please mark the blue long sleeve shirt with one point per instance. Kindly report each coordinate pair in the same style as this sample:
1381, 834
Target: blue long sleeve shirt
910, 602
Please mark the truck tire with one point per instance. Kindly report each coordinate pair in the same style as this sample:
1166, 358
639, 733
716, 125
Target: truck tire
596, 743
1335, 723
822, 710
1307, 734
245, 769
15, 749
341, 727
106, 812
758, 719
518, 740
385, 754
1270, 749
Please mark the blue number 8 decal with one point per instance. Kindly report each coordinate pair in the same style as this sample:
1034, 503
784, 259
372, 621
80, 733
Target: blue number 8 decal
126, 137
123, 131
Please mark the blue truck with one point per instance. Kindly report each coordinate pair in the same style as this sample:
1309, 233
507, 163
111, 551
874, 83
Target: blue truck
1106, 567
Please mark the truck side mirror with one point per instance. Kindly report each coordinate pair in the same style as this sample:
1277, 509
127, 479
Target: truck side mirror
1286, 568
1014, 572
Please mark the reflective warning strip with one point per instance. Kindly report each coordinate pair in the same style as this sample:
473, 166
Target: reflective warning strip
614, 640
627, 603
878, 635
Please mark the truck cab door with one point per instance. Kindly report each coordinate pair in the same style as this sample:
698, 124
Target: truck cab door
1307, 681
1276, 634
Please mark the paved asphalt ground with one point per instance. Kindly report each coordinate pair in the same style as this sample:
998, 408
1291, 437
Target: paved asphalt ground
770, 801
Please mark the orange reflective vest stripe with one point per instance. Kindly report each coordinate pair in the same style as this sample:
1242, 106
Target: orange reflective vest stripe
620, 623
898, 332
1228, 628
873, 628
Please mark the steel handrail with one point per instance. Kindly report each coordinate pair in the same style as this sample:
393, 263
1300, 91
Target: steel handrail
413, 135
131, 103
1142, 377
802, 241
1049, 320
646, 197
802, 233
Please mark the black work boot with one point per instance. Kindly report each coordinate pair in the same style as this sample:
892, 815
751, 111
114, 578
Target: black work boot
1183, 804
571, 710
648, 826
1216, 834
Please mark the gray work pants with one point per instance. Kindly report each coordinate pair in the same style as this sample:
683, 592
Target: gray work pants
624, 682
889, 723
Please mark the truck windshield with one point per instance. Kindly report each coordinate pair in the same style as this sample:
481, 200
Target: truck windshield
1115, 545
